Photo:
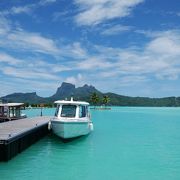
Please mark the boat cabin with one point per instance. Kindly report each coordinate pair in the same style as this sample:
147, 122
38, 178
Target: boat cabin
71, 109
11, 111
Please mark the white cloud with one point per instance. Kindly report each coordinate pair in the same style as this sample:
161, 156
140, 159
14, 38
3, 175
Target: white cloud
16, 38
74, 50
178, 14
33, 41
93, 63
158, 59
46, 2
63, 16
26, 9
21, 9
78, 80
9, 59
59, 68
27, 68
98, 11
28, 73
117, 29
13, 37
4, 26
9, 86
167, 43
132, 80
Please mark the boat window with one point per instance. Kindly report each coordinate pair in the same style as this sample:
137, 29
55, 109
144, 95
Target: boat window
57, 110
68, 111
82, 111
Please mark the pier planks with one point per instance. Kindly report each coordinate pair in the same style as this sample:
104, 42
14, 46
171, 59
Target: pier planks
15, 136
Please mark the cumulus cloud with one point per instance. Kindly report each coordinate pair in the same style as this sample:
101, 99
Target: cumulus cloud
17, 38
166, 43
98, 11
158, 59
78, 80
26, 68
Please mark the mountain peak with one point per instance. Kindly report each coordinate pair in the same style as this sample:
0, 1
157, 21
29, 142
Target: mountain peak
67, 85
85, 85
65, 90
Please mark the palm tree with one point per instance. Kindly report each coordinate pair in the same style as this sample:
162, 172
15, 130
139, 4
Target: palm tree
105, 100
94, 99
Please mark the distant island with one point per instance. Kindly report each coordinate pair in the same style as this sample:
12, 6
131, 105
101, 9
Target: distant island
66, 90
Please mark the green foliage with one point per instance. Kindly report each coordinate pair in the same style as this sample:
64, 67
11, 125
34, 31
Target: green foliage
105, 100
94, 98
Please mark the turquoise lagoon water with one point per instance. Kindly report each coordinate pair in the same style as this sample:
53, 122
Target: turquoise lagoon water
127, 144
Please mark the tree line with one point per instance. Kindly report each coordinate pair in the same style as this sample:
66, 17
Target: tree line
96, 100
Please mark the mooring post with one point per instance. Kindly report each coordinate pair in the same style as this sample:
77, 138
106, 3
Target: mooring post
41, 111
41, 105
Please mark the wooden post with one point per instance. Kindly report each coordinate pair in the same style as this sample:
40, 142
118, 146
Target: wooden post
41, 105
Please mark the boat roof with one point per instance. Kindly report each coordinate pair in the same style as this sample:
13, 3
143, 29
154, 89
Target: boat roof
71, 102
11, 104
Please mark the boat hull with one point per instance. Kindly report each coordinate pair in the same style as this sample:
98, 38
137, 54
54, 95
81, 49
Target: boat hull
68, 130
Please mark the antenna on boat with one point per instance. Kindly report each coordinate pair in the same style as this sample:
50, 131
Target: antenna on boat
71, 97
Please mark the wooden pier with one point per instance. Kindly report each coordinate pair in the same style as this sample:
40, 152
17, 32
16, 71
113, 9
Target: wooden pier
16, 136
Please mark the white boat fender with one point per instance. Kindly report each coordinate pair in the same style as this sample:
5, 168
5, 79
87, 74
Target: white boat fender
49, 125
91, 126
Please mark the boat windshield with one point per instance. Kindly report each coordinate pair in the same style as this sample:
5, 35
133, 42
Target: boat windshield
68, 111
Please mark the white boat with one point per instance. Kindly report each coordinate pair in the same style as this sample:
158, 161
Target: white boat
72, 119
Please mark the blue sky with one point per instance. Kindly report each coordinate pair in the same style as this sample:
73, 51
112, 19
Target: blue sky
129, 47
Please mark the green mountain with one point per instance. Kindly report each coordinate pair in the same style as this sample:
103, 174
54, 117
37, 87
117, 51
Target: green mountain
66, 90
24, 97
